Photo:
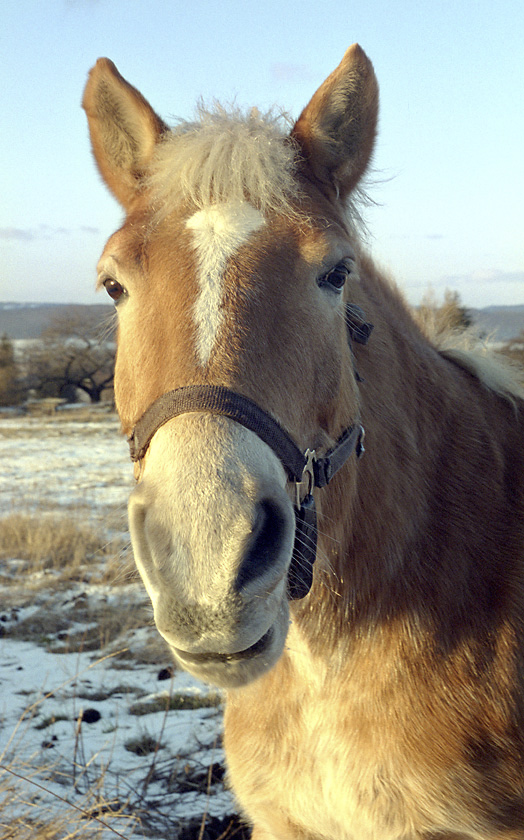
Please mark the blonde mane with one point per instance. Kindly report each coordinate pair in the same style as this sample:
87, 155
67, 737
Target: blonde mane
467, 349
227, 156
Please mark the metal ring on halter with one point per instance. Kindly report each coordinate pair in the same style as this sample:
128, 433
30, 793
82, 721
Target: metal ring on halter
308, 478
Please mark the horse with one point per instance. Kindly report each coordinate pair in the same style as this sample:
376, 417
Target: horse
363, 611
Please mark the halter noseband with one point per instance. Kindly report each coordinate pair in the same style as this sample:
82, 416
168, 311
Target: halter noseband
306, 469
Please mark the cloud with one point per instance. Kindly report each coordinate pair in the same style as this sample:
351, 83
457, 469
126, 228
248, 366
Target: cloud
32, 234
19, 234
487, 287
48, 232
487, 275
43, 231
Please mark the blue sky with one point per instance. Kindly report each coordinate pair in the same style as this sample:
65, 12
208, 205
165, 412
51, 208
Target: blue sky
449, 166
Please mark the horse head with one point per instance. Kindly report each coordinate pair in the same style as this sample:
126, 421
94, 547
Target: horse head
232, 274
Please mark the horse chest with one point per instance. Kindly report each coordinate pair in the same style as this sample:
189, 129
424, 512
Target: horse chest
305, 771
345, 759
311, 759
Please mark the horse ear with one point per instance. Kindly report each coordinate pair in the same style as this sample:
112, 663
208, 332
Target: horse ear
124, 130
337, 130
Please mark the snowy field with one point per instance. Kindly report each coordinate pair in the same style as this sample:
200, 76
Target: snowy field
63, 462
107, 728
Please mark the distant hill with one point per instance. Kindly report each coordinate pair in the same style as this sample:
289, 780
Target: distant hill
27, 320
499, 323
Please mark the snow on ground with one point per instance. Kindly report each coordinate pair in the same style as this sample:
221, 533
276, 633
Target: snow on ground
91, 726
63, 462
88, 726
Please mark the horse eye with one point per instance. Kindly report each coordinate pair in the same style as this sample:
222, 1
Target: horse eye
113, 288
336, 277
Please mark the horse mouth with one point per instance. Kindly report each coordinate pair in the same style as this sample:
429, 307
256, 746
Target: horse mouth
226, 658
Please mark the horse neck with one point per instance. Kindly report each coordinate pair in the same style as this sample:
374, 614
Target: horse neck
429, 497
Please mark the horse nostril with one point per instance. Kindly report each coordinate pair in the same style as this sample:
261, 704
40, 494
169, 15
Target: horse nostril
263, 548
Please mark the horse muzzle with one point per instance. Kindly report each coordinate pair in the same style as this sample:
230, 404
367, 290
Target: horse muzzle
213, 542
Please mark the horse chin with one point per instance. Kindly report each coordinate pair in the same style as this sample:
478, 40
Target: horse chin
233, 670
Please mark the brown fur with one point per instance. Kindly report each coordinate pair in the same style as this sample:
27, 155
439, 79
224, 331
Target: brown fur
396, 711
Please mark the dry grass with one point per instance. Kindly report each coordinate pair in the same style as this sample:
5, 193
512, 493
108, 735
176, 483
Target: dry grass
47, 542
94, 816
87, 821
83, 412
55, 543
178, 702
42, 555
40, 411
64, 631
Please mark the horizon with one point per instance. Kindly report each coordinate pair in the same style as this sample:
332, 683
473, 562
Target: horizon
110, 306
448, 169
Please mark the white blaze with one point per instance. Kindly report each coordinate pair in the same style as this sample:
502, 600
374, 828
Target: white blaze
218, 232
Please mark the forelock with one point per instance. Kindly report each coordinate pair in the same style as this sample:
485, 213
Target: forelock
227, 156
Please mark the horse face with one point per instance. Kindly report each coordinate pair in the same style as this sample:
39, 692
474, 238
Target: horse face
212, 519
236, 290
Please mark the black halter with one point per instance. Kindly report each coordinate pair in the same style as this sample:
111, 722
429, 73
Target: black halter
306, 469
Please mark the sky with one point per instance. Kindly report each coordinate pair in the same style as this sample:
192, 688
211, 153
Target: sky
448, 172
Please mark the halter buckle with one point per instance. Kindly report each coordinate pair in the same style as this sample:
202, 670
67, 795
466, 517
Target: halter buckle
307, 479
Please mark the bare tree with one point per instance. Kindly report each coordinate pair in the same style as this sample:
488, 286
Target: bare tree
10, 385
72, 354
445, 316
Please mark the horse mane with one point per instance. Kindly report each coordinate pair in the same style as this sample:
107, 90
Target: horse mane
227, 155
467, 349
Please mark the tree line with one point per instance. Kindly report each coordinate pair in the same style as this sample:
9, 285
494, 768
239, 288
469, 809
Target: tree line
74, 356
